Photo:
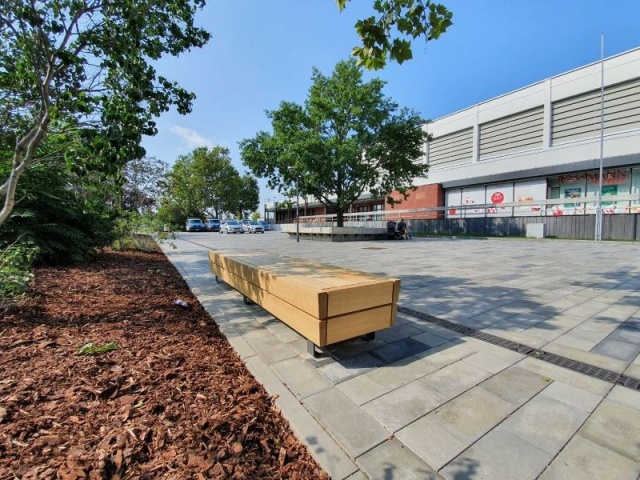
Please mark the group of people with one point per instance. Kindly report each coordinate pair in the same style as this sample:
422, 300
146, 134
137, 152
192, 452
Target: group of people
401, 230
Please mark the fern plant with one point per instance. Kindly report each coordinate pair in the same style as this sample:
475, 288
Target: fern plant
15, 271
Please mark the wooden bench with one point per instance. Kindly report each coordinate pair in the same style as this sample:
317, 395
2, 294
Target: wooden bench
323, 303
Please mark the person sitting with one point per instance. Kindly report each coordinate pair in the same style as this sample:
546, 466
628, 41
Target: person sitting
391, 230
402, 229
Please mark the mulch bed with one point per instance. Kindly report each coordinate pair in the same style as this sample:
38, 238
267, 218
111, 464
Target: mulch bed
173, 401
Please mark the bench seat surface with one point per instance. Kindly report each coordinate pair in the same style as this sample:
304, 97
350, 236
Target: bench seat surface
324, 303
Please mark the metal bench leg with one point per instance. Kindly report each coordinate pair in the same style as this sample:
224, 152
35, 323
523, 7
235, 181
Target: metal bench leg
217, 279
311, 349
369, 337
247, 300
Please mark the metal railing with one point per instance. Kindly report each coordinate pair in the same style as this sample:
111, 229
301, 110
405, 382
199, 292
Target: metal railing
612, 204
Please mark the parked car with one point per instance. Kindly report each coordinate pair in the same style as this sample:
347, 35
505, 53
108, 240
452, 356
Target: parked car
194, 225
266, 226
253, 227
231, 226
212, 225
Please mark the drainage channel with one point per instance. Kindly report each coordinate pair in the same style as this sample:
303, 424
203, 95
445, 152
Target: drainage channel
585, 368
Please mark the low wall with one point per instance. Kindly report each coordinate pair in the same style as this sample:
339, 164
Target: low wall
335, 234
577, 227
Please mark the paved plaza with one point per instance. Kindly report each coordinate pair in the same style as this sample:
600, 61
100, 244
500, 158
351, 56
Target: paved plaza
425, 400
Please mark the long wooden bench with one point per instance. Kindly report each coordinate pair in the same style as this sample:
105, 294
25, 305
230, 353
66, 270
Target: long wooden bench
323, 303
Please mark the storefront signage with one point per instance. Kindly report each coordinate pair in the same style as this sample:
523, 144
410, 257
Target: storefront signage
610, 177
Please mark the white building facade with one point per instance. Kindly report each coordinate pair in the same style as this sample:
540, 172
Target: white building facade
541, 145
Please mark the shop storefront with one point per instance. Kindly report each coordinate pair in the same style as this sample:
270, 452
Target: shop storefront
527, 197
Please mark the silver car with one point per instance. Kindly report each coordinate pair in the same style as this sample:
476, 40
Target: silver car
231, 226
253, 227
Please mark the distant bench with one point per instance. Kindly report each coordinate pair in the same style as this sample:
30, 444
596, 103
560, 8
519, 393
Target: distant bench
324, 304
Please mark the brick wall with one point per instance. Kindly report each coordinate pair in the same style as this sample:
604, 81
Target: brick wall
425, 196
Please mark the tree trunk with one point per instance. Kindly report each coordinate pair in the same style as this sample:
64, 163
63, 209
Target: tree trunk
22, 158
340, 215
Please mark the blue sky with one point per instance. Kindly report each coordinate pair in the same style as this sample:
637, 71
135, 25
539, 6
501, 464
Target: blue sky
262, 52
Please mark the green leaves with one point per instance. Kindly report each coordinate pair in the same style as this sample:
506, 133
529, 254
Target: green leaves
389, 34
347, 139
69, 65
205, 180
92, 348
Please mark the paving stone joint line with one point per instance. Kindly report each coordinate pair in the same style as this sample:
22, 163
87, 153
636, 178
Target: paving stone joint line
581, 367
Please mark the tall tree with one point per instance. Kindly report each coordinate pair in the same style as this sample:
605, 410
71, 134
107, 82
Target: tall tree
86, 66
145, 181
397, 22
347, 139
249, 195
205, 180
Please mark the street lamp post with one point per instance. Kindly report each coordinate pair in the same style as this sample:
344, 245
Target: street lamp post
298, 210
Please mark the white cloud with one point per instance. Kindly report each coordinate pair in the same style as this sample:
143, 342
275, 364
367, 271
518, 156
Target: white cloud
191, 138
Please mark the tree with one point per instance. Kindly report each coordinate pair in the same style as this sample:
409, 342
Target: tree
204, 181
144, 183
347, 139
398, 22
64, 214
248, 195
85, 66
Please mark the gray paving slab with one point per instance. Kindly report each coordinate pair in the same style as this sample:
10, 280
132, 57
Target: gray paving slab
404, 405
591, 358
344, 369
327, 452
448, 353
362, 389
576, 397
402, 372
269, 348
300, 377
550, 372
516, 384
625, 396
582, 458
392, 460
398, 332
430, 339
428, 438
503, 413
518, 459
545, 422
625, 351
352, 427
616, 427
399, 349
455, 379
472, 414
491, 362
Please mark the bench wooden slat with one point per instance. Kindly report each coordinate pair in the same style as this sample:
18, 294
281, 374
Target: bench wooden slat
323, 303
317, 289
351, 325
306, 325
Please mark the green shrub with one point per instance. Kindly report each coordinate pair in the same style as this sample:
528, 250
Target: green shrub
16, 271
134, 232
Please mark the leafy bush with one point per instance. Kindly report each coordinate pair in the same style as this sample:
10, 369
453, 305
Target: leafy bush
64, 214
15, 271
134, 232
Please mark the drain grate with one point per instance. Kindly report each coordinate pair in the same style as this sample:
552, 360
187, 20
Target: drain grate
585, 368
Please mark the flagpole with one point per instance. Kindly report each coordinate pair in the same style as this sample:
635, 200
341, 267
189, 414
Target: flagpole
599, 216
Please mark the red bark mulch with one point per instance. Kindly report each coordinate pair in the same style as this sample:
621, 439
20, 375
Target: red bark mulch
173, 401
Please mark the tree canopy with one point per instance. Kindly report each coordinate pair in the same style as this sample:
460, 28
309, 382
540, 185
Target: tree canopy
205, 183
144, 183
347, 139
85, 66
398, 22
